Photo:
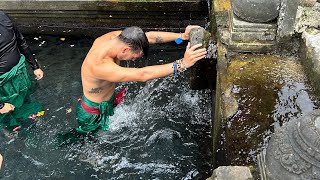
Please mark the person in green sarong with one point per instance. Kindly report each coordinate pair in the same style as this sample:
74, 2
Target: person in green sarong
101, 70
15, 83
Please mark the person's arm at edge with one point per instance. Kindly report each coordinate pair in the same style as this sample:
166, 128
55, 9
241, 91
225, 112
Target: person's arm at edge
26, 51
1, 159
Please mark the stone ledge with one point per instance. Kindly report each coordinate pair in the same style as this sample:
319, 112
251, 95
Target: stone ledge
238, 23
231, 173
252, 36
310, 56
103, 5
238, 46
77, 16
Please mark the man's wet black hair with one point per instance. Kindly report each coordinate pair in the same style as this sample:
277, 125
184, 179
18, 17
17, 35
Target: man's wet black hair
136, 39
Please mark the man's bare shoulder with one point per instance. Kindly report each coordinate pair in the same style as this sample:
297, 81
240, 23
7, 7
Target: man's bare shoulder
110, 35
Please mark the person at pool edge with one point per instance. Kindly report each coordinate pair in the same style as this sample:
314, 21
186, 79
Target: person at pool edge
101, 70
1, 159
15, 82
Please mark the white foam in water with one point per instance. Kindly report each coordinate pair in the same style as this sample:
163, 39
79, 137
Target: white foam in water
35, 162
190, 175
166, 133
156, 168
155, 133
139, 127
123, 117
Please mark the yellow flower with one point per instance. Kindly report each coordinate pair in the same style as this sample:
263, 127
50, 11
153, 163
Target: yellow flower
41, 113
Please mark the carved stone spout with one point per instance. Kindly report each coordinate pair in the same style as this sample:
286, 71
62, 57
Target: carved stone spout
256, 10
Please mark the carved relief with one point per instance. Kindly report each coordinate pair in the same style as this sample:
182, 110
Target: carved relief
287, 157
295, 148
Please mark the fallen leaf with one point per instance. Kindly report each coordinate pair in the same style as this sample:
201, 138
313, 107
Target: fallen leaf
41, 113
16, 128
69, 110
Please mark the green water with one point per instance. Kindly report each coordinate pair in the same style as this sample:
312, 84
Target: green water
162, 130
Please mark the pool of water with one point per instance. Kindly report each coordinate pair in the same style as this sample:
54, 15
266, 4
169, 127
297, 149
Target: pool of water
270, 90
162, 130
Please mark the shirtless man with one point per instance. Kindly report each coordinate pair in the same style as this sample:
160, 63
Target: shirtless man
101, 71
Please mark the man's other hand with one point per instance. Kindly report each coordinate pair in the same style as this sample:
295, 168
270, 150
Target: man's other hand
186, 34
7, 108
38, 73
193, 54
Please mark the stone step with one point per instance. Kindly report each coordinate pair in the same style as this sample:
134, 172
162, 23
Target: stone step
237, 46
239, 23
252, 47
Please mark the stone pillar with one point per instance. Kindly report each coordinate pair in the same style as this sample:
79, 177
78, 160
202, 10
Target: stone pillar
294, 150
259, 11
253, 25
286, 20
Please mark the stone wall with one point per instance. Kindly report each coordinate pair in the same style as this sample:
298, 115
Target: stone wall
95, 17
308, 25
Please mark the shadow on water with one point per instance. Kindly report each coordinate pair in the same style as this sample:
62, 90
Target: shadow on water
161, 131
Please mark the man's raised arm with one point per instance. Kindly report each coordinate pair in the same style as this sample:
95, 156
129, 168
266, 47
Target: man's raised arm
163, 37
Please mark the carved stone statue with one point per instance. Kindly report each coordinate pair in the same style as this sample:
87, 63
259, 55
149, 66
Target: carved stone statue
294, 150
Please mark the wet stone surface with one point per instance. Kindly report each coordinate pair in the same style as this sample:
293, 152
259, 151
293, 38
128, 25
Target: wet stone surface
269, 90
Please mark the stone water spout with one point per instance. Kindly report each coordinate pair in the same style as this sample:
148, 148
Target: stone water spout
203, 74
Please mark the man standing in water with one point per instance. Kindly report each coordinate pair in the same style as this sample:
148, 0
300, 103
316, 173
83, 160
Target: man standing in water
14, 78
101, 71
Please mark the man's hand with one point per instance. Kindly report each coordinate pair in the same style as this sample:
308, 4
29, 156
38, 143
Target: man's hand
186, 34
193, 54
38, 73
1, 159
7, 108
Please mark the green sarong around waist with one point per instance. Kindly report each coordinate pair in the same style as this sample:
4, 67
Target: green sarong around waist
15, 89
92, 121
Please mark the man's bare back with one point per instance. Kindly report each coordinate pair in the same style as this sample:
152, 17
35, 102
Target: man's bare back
95, 89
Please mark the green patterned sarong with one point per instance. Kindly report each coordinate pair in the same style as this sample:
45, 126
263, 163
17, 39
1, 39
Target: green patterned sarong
15, 89
89, 122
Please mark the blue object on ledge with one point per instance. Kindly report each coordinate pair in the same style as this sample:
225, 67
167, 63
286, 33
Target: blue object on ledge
178, 40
